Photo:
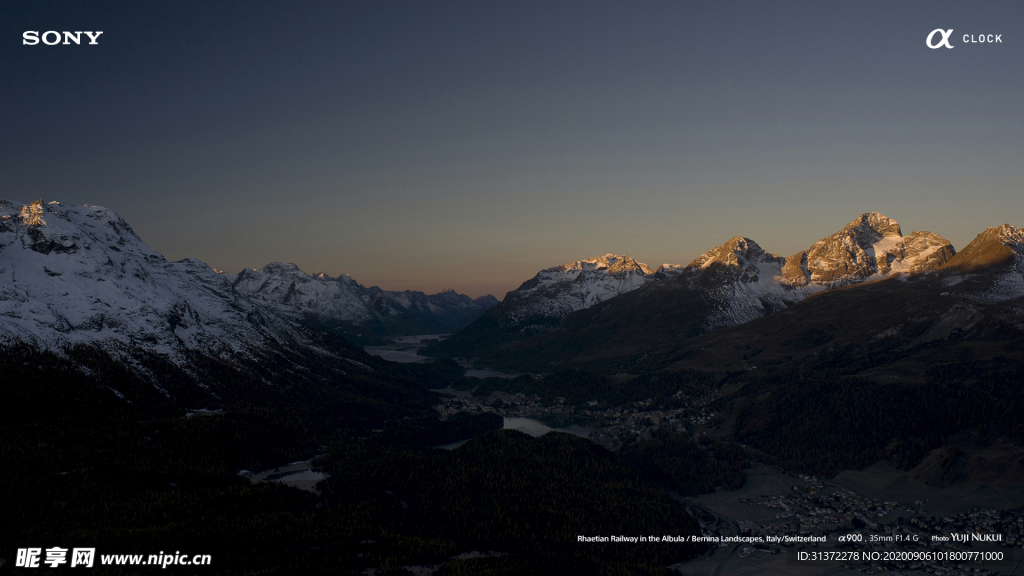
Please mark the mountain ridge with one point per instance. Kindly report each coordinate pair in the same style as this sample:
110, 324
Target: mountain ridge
342, 305
79, 288
730, 284
969, 300
74, 275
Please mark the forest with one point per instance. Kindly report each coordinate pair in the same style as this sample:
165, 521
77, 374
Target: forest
92, 470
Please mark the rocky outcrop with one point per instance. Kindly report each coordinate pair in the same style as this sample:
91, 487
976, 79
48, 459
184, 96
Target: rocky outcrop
873, 246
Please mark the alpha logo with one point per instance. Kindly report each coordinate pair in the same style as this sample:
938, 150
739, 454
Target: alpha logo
945, 39
968, 39
52, 37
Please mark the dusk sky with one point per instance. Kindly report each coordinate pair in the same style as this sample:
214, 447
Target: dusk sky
428, 145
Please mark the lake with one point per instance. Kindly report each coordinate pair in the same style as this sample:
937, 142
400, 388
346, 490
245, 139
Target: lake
299, 475
406, 348
530, 426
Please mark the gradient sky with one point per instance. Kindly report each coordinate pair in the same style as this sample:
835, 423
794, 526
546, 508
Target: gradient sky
426, 145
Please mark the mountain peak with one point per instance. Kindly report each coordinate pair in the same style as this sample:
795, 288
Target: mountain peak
876, 222
32, 214
873, 245
736, 252
560, 290
1012, 236
80, 275
994, 246
613, 263
278, 267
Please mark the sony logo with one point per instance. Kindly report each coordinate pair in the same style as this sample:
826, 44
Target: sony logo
52, 37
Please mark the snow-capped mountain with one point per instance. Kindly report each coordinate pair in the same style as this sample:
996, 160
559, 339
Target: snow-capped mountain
728, 285
342, 304
80, 290
970, 307
85, 301
871, 246
541, 303
742, 282
753, 283
80, 275
291, 291
560, 290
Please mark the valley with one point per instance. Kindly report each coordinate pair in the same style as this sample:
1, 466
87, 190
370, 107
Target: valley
867, 386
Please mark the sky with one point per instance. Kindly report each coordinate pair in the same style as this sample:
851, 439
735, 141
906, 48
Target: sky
467, 145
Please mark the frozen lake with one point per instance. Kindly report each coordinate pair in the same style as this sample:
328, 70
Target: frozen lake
537, 428
405, 348
488, 373
299, 475
530, 426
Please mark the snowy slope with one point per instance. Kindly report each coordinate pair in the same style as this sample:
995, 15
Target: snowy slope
738, 280
759, 283
80, 275
560, 290
743, 282
288, 290
342, 303
668, 271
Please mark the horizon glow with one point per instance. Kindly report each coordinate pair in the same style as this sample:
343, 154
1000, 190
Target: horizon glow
464, 146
